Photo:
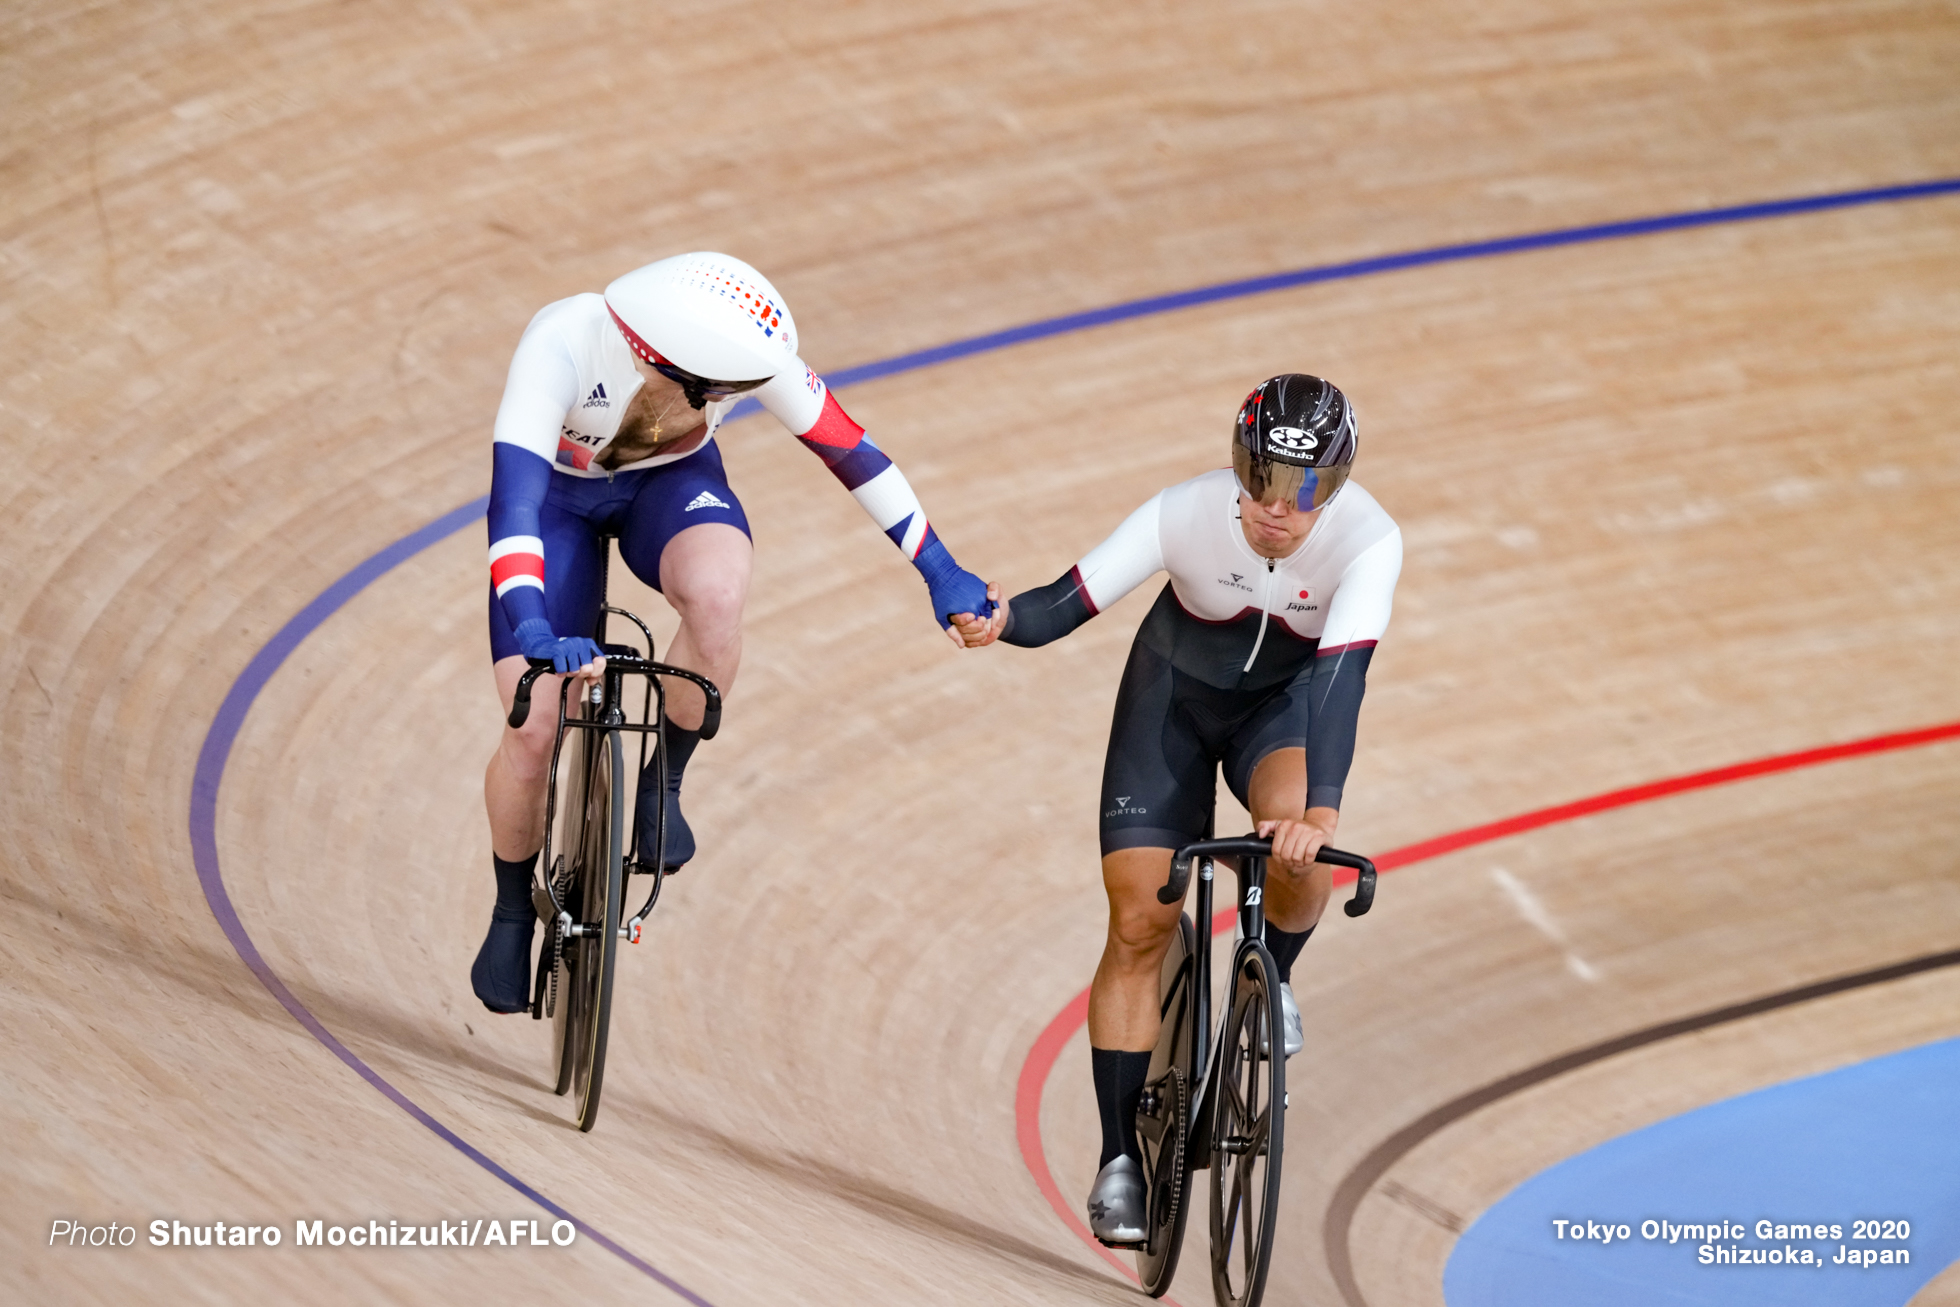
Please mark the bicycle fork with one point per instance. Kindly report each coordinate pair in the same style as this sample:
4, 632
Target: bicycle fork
1204, 1036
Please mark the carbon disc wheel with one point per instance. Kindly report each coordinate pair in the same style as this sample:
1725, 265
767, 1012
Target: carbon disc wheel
1248, 1123
599, 948
568, 881
1163, 1121
593, 896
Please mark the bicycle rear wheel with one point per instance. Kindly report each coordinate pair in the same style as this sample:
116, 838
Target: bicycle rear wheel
593, 895
1163, 1120
1250, 1115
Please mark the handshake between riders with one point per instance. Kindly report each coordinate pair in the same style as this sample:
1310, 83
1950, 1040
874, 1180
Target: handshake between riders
607, 428
1255, 656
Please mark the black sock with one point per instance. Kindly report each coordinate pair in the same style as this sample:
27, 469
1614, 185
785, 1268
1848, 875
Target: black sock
680, 747
1285, 945
514, 886
1119, 1084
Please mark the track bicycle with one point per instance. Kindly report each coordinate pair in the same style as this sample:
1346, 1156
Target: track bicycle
1216, 1100
580, 890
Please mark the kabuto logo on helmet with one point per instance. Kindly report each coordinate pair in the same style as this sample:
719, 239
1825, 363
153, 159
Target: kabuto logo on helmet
1292, 440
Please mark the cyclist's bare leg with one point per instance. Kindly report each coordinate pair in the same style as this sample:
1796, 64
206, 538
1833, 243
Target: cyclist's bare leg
704, 572
513, 795
1123, 998
514, 782
1123, 1021
1278, 790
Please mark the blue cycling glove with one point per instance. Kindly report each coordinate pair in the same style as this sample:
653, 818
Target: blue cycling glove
535, 640
953, 588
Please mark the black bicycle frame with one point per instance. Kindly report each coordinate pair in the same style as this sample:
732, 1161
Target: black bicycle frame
610, 716
1251, 854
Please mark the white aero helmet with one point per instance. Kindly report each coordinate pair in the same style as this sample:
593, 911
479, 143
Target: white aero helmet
706, 320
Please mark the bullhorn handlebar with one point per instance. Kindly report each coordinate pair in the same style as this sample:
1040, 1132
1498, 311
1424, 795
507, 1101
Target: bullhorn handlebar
1247, 846
520, 703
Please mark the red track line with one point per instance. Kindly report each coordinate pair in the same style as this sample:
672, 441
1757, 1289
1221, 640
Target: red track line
1048, 1045
1027, 1118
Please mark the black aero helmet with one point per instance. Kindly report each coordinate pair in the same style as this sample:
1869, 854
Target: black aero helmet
1294, 439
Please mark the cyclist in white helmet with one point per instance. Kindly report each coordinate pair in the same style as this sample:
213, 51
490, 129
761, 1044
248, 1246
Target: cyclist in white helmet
607, 426
1255, 656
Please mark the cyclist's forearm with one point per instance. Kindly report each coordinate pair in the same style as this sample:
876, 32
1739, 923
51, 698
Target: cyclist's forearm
1037, 617
1335, 685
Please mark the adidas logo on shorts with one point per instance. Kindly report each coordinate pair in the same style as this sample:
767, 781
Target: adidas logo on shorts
706, 499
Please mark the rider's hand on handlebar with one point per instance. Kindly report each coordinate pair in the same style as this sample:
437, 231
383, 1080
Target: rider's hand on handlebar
574, 654
976, 632
1296, 842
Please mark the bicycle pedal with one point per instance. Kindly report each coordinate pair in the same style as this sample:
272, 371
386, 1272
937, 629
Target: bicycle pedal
631, 930
1123, 1247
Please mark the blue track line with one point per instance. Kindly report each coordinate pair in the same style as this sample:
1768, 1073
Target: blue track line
1232, 290
230, 718
210, 772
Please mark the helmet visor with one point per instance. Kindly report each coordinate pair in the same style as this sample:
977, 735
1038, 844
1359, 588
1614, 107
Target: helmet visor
707, 386
1269, 481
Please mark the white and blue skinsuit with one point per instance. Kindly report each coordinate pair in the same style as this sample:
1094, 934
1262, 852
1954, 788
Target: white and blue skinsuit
570, 383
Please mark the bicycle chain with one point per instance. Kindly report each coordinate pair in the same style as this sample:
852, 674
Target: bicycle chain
1175, 1100
563, 880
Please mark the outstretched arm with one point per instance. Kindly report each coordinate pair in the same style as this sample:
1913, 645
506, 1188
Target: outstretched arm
801, 401
1131, 555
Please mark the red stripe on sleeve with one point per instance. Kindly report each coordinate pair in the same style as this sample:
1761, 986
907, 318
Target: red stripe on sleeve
516, 565
1082, 588
834, 426
1343, 648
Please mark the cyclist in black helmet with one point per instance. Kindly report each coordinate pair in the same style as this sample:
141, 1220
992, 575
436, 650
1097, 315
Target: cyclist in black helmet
1254, 657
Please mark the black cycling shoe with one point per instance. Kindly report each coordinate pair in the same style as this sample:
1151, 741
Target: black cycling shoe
501, 975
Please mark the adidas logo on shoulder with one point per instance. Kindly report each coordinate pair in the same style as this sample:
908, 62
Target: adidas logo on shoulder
597, 399
706, 499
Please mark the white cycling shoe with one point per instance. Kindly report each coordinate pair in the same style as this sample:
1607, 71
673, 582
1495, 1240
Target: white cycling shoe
1289, 1019
1289, 1024
1116, 1203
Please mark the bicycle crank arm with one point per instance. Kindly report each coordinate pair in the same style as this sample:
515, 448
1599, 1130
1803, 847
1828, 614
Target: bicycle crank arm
546, 906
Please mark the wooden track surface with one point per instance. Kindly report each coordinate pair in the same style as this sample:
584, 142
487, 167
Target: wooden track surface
1669, 503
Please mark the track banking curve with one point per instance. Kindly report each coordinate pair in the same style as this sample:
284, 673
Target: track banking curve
215, 752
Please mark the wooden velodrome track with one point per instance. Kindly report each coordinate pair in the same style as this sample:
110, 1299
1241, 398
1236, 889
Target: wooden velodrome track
1671, 503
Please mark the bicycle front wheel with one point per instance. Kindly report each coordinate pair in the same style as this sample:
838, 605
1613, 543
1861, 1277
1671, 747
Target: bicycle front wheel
565, 864
595, 892
1250, 1113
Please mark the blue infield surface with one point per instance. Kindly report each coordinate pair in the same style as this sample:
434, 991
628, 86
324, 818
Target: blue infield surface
1875, 1142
